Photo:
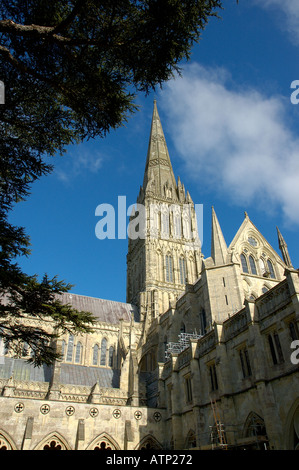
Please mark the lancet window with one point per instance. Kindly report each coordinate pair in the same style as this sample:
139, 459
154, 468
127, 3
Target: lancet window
70, 349
111, 356
78, 354
244, 264
103, 352
168, 268
95, 355
271, 269
183, 276
252, 265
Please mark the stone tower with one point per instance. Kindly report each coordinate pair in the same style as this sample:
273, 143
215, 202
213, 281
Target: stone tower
167, 256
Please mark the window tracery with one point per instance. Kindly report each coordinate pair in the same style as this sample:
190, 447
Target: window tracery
103, 445
103, 442
252, 241
53, 442
191, 440
149, 443
53, 445
4, 444
255, 426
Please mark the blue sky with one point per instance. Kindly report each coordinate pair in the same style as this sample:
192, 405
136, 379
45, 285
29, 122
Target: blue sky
233, 138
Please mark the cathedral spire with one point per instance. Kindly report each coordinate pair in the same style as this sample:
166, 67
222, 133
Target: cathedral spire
158, 177
219, 247
284, 249
161, 263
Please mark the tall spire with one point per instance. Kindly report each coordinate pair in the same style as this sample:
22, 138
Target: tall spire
159, 264
158, 177
284, 249
219, 247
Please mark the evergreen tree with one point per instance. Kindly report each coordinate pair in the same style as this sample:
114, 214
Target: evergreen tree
71, 71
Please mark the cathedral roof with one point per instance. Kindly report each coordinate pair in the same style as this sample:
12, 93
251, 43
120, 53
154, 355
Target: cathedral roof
74, 374
108, 311
71, 374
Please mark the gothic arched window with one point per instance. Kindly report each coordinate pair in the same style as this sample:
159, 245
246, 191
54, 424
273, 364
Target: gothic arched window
191, 440
102, 446
103, 442
53, 445
111, 354
149, 443
168, 268
252, 265
70, 349
186, 222
103, 352
271, 269
53, 442
78, 354
262, 266
165, 223
183, 276
63, 348
177, 225
275, 348
255, 426
4, 443
95, 355
244, 263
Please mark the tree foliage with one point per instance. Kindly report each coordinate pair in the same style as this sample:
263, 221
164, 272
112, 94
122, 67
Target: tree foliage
71, 71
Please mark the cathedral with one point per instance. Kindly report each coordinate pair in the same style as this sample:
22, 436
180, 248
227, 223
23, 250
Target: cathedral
203, 355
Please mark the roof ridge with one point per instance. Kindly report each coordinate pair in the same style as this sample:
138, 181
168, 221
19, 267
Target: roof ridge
96, 298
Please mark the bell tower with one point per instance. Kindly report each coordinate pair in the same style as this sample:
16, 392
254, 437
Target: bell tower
168, 255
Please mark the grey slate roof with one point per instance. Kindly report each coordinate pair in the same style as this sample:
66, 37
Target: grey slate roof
81, 375
71, 374
108, 311
21, 370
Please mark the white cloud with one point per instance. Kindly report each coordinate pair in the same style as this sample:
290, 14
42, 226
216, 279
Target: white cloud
76, 163
234, 140
290, 17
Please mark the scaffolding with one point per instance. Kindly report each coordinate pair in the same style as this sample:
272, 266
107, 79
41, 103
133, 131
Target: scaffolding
181, 345
218, 441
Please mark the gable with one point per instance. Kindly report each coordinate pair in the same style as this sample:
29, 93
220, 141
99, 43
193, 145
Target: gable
250, 243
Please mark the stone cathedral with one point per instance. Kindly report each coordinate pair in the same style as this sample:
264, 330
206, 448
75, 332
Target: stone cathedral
204, 354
